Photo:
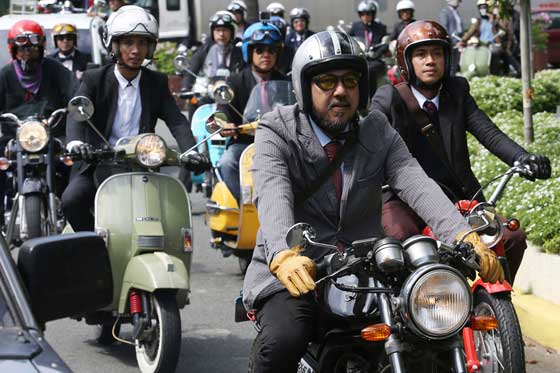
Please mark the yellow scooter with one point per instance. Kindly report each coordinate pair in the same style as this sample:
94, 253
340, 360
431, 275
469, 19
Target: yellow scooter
234, 225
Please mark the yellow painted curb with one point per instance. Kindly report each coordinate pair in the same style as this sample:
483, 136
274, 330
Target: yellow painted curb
539, 319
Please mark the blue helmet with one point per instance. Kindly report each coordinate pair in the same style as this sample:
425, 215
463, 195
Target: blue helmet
263, 33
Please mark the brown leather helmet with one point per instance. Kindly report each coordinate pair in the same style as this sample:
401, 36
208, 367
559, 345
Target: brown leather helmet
419, 33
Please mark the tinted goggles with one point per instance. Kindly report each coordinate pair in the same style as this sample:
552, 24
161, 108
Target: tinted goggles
327, 82
260, 35
26, 39
365, 14
221, 19
260, 49
64, 29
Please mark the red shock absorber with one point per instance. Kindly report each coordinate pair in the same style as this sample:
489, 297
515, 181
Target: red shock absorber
135, 302
473, 364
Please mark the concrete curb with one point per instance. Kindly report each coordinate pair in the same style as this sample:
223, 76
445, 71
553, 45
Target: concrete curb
539, 274
539, 319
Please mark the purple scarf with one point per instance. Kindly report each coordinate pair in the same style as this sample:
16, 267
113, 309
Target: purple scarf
31, 82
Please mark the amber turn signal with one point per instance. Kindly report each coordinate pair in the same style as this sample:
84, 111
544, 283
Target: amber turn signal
376, 332
67, 161
4, 164
484, 323
194, 100
513, 225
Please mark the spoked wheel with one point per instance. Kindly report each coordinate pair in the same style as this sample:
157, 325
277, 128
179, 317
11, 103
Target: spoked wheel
499, 350
159, 350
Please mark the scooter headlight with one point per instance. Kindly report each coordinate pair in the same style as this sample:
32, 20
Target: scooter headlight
151, 151
33, 136
438, 301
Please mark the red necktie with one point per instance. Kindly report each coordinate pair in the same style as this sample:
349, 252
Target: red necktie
332, 148
431, 109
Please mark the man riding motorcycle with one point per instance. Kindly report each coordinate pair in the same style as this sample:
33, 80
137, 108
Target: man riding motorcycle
367, 28
276, 9
128, 99
65, 39
239, 10
30, 84
486, 29
219, 53
299, 22
262, 47
405, 12
423, 56
293, 182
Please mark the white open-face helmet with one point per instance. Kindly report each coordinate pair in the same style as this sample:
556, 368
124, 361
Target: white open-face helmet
131, 20
405, 4
276, 9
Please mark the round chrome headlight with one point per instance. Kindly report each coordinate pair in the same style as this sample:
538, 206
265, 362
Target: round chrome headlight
151, 151
438, 301
33, 136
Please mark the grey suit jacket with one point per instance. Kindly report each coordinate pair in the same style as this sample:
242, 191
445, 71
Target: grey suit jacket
447, 20
288, 157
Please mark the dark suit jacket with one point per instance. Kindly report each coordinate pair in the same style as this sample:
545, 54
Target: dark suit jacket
196, 63
101, 86
291, 39
398, 27
458, 114
57, 88
359, 28
79, 63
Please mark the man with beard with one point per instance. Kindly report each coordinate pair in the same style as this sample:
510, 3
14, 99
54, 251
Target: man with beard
262, 48
128, 100
318, 162
30, 84
440, 143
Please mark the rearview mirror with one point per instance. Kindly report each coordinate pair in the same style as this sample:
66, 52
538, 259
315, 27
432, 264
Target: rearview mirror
223, 94
216, 122
80, 108
66, 275
296, 235
180, 62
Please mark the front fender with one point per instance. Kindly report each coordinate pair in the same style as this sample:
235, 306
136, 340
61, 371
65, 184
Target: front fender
503, 287
151, 272
32, 185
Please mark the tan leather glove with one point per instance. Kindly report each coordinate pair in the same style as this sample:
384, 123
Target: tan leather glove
490, 267
296, 272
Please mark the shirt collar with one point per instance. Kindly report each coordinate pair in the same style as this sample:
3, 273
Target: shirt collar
123, 82
70, 56
421, 98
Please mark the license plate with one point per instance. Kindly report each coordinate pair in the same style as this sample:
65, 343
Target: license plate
304, 367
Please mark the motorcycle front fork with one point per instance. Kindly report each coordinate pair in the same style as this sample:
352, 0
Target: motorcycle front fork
393, 346
140, 311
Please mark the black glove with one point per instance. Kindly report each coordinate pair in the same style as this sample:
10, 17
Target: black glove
538, 164
196, 162
85, 151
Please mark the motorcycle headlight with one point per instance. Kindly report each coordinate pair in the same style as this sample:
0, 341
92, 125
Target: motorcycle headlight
483, 215
437, 301
33, 136
151, 151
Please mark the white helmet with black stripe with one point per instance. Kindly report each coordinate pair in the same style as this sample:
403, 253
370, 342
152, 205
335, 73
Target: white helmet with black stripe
322, 52
131, 20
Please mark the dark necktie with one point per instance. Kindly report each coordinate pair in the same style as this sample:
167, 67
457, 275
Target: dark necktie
432, 111
332, 149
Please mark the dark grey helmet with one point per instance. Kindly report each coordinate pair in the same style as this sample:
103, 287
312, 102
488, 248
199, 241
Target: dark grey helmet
327, 51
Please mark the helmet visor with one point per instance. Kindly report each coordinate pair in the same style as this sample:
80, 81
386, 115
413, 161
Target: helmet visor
64, 29
26, 39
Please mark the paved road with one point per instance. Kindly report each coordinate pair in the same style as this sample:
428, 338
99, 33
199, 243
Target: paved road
212, 342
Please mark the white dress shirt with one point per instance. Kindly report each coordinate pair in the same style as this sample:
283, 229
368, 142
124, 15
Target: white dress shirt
69, 60
421, 98
129, 108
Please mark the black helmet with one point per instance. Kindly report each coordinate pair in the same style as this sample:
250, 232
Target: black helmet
322, 52
222, 18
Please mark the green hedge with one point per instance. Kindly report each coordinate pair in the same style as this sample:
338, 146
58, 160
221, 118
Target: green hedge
535, 204
496, 94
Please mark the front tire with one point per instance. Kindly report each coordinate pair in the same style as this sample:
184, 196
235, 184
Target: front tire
34, 214
500, 350
159, 352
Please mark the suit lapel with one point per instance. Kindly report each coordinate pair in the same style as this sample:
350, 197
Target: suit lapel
146, 104
446, 107
112, 94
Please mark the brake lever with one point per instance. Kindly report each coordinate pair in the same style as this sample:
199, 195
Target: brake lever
342, 271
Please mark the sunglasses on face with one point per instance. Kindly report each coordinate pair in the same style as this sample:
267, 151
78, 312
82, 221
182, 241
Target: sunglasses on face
26, 39
65, 37
260, 50
327, 82
365, 14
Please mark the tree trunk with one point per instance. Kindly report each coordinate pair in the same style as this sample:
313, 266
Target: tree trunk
252, 10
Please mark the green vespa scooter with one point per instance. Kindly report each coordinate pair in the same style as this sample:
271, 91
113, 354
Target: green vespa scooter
144, 216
